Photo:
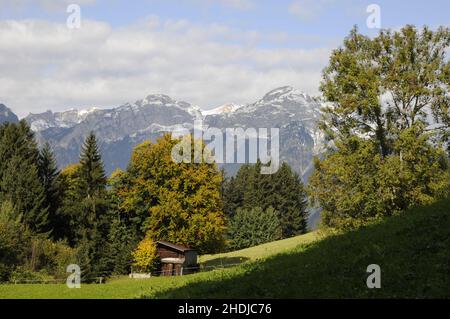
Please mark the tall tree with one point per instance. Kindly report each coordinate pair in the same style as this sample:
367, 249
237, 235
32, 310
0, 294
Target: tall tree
384, 85
92, 170
94, 222
48, 173
283, 191
388, 118
289, 199
181, 201
86, 205
19, 175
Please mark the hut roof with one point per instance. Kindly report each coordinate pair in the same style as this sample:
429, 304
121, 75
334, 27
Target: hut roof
173, 246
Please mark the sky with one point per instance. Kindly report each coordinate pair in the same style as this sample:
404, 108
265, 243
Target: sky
205, 52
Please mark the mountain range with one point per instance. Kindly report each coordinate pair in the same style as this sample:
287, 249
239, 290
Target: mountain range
121, 128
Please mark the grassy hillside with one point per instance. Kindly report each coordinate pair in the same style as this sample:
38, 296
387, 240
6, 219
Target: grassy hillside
132, 288
413, 251
257, 252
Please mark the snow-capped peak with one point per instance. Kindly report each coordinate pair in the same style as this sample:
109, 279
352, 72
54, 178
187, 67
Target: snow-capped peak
156, 99
69, 118
85, 112
285, 99
285, 93
162, 100
221, 110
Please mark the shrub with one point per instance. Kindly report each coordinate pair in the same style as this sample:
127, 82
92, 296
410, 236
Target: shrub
53, 257
23, 274
253, 227
14, 241
145, 255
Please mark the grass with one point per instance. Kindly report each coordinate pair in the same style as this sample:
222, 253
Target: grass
413, 251
257, 252
125, 287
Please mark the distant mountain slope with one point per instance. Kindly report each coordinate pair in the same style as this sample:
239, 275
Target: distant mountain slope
120, 129
6, 115
293, 112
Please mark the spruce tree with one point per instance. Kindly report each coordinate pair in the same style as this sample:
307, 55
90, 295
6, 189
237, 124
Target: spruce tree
283, 191
19, 175
92, 171
289, 199
251, 227
93, 194
85, 203
48, 173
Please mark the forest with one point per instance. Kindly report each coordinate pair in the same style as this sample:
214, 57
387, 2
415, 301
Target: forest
53, 218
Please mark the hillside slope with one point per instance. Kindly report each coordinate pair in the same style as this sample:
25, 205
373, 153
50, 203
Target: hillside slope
413, 251
257, 252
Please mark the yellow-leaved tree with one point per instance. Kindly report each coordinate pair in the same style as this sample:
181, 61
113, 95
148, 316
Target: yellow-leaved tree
176, 202
145, 255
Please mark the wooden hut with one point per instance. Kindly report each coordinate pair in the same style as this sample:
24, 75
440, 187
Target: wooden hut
176, 260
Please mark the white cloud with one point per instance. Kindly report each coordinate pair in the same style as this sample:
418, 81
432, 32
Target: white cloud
234, 4
237, 4
309, 9
47, 66
47, 5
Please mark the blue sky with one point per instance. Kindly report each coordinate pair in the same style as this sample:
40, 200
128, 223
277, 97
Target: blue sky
247, 47
326, 19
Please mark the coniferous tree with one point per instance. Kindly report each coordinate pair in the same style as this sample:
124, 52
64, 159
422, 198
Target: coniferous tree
288, 197
251, 227
122, 241
283, 191
94, 220
48, 173
92, 170
85, 204
19, 175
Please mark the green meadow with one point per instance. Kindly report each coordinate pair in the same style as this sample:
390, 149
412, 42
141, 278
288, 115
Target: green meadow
413, 251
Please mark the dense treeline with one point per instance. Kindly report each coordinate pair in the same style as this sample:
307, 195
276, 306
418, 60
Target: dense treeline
252, 200
28, 195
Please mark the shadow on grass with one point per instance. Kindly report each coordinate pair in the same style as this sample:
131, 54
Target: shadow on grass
223, 262
412, 251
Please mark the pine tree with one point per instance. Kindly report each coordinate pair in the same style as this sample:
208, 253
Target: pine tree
289, 199
94, 220
92, 171
19, 175
282, 191
48, 173
251, 227
85, 204
122, 241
